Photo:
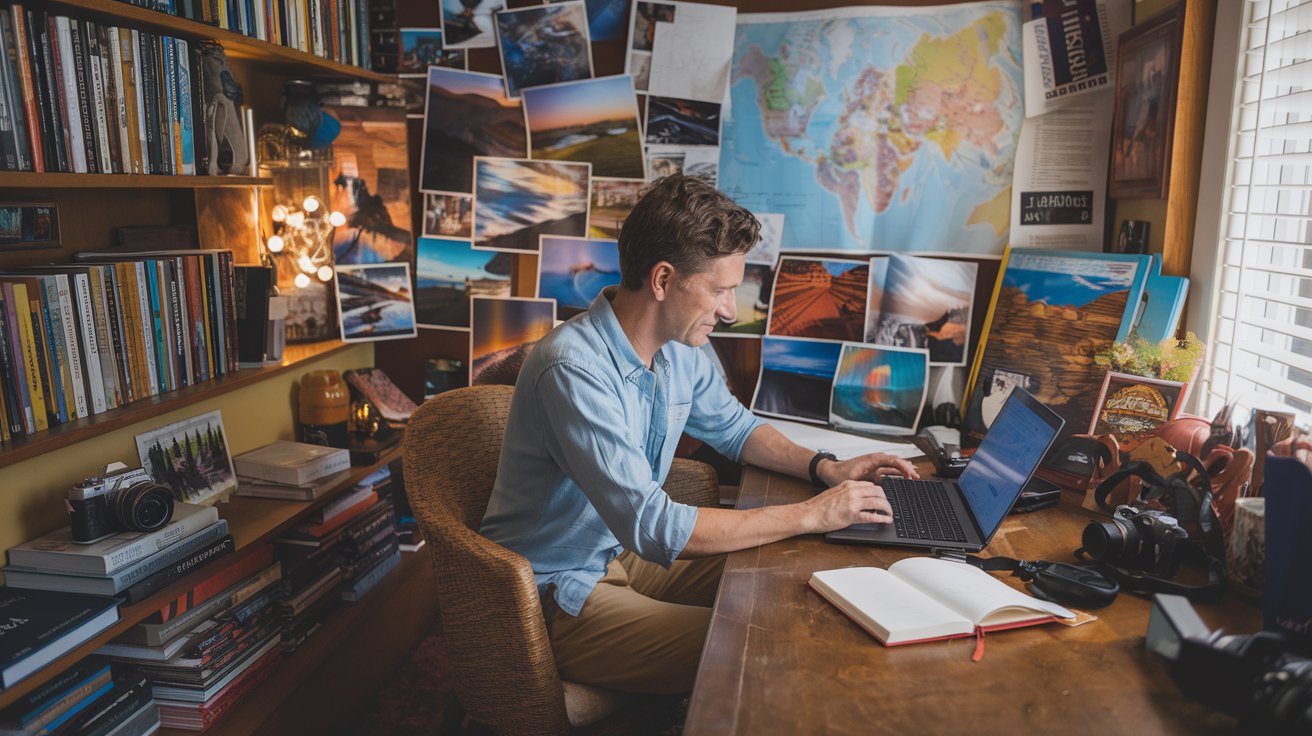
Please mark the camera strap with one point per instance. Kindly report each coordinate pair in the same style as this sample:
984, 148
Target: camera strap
1137, 581
1082, 586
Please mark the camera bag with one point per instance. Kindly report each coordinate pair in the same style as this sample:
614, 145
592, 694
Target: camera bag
1082, 586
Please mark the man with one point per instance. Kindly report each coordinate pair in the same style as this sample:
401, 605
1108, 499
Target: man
625, 573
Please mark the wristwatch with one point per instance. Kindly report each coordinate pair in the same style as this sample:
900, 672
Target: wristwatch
815, 465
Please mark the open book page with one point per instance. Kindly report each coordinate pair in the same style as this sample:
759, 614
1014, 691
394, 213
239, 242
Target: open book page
887, 607
973, 593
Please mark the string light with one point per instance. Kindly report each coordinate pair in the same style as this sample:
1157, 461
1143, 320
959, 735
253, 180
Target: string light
311, 204
279, 213
336, 219
296, 219
301, 281
325, 273
276, 243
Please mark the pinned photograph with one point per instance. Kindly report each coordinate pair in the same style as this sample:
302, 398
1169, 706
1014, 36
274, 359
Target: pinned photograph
415, 89
593, 120
797, 376
26, 225
752, 299
448, 273
573, 271
926, 304
682, 122
1132, 408
642, 30
371, 186
422, 48
875, 294
468, 24
502, 333
191, 457
607, 19
374, 302
640, 69
448, 215
664, 163
466, 114
702, 162
772, 231
820, 298
612, 201
879, 389
544, 44
516, 201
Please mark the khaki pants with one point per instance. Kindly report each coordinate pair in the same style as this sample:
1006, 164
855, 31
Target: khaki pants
642, 628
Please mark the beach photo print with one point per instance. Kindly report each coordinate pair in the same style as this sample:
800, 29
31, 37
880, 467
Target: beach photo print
516, 201
879, 389
573, 271
797, 376
502, 333
594, 120
448, 273
374, 302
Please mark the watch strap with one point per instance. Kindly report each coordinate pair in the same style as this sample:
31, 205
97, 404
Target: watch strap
815, 466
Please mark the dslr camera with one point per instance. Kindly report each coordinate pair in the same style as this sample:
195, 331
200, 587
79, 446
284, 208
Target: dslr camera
116, 500
1147, 540
1257, 678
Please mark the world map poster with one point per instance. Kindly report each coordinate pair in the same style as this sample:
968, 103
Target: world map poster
878, 129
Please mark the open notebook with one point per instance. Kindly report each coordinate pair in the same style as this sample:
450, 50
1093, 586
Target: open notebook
923, 598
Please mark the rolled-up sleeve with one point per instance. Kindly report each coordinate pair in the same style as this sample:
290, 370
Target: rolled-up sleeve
717, 418
591, 445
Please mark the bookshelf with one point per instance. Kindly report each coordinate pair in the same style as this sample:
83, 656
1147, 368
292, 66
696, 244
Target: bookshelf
252, 522
32, 180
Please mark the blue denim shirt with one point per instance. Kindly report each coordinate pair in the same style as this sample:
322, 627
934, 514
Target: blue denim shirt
588, 444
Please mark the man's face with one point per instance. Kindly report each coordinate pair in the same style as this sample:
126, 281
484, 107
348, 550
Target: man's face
696, 302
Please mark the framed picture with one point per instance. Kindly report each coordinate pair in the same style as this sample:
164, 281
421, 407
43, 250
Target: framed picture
1132, 408
26, 225
191, 457
1146, 76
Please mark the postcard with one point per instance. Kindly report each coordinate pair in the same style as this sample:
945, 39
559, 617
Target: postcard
772, 230
371, 186
752, 302
468, 24
692, 54
502, 333
591, 120
672, 121
927, 304
374, 302
612, 201
573, 271
1132, 408
822, 298
517, 200
606, 19
875, 294
448, 215
422, 48
879, 388
544, 44
466, 114
191, 457
797, 376
702, 162
448, 273
642, 35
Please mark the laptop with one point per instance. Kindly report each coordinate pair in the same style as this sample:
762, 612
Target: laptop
965, 513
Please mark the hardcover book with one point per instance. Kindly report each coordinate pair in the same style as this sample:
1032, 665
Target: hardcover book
57, 552
43, 626
256, 488
295, 463
923, 599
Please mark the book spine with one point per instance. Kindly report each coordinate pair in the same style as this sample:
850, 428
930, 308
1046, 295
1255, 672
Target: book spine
188, 140
147, 65
28, 86
76, 80
228, 300
219, 582
158, 344
196, 327
162, 559
120, 99
90, 344
40, 347
9, 377
148, 317
200, 135
164, 97
96, 89
178, 315
32, 366
10, 156
52, 335
373, 577
146, 545
19, 360
47, 706
207, 307
138, 84
158, 581
108, 48
59, 122
104, 338
169, 74
119, 340
69, 318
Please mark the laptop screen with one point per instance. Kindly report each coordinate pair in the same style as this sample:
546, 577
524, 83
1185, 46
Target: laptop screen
1006, 458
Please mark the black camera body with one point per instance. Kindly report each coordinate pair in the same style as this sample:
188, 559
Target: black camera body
1147, 540
119, 499
1258, 678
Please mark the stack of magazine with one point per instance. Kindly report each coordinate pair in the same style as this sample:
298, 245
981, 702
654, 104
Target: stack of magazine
130, 565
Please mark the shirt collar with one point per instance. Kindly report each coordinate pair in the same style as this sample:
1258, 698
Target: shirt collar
621, 348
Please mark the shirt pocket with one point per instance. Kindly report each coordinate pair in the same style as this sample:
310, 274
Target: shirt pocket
676, 419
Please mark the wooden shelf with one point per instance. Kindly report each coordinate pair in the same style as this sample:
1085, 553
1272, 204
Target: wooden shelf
35, 180
235, 44
63, 435
251, 521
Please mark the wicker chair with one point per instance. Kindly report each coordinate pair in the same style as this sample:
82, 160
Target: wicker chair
501, 661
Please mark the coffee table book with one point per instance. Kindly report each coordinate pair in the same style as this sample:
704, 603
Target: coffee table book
293, 463
43, 625
57, 552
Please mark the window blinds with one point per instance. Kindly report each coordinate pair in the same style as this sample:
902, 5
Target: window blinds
1262, 333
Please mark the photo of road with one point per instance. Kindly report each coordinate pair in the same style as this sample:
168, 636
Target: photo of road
819, 298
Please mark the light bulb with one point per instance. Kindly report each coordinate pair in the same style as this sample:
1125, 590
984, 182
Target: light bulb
275, 244
325, 273
279, 213
311, 204
296, 219
305, 264
301, 281
337, 219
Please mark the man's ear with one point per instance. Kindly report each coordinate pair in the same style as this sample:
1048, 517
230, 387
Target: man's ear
662, 280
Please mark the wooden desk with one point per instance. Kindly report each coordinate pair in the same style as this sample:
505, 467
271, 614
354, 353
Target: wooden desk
781, 659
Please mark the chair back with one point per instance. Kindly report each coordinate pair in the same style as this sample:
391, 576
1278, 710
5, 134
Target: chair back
501, 661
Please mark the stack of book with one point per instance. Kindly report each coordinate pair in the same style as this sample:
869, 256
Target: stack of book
41, 626
84, 96
83, 339
131, 565
211, 645
88, 699
370, 551
291, 470
389, 483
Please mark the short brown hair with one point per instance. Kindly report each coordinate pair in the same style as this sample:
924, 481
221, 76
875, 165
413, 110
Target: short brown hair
686, 222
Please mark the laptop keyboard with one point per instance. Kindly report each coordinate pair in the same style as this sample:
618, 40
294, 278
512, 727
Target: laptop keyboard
921, 510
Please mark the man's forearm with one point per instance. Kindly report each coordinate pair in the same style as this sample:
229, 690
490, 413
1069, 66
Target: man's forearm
725, 530
768, 448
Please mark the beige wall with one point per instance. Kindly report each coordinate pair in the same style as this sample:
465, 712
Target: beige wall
32, 492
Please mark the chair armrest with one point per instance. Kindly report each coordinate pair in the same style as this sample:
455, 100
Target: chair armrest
693, 483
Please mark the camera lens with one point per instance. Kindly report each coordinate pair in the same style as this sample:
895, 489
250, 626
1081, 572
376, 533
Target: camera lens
144, 507
1109, 541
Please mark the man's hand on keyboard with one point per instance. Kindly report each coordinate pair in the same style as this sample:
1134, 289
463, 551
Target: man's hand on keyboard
872, 467
850, 502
